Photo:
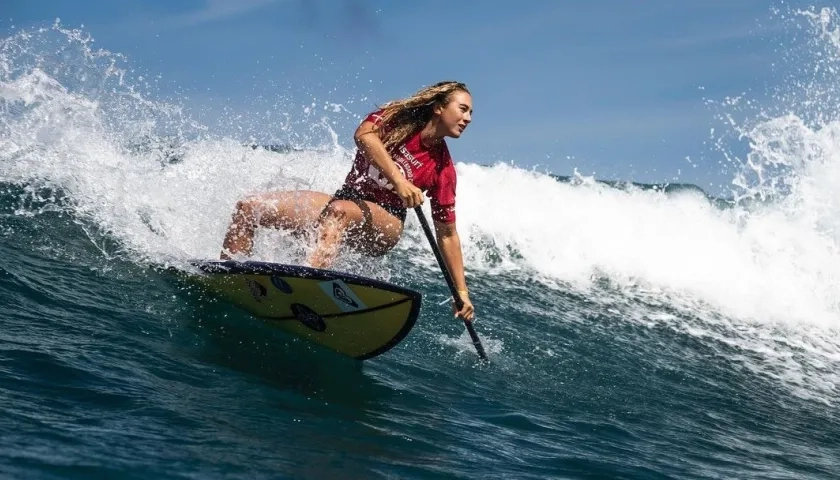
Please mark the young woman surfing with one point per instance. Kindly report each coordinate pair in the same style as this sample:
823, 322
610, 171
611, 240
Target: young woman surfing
401, 154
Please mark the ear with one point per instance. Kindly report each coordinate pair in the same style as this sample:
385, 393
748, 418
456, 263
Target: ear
439, 108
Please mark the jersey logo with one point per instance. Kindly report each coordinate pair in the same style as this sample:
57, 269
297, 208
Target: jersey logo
377, 176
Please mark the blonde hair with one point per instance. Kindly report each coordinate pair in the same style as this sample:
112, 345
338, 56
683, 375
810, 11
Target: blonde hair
402, 118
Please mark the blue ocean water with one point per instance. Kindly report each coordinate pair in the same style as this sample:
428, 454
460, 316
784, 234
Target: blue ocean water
641, 334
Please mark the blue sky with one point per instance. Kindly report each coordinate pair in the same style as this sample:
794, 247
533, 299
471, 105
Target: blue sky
609, 87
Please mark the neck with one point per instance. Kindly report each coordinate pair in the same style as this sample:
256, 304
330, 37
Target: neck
429, 137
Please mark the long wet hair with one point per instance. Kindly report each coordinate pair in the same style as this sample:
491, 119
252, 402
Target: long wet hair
402, 118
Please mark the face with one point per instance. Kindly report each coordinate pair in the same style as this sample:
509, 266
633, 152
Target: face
455, 115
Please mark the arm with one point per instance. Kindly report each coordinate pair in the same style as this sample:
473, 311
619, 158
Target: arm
370, 144
449, 244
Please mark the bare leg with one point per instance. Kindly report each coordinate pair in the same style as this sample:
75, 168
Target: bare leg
369, 228
294, 211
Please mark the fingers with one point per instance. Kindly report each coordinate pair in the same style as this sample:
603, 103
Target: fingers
418, 196
467, 312
410, 194
413, 197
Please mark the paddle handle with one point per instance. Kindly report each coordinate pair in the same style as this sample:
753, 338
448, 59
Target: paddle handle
448, 277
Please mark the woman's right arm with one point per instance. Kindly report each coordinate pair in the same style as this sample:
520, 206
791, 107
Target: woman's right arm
370, 144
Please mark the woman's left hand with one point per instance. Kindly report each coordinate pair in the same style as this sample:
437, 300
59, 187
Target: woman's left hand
467, 312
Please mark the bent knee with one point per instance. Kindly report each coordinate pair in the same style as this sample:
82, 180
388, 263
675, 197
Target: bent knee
247, 207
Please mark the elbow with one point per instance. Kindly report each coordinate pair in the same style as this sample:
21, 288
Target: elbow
358, 134
362, 141
445, 232
361, 132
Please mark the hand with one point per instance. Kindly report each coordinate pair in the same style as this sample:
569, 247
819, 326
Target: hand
411, 195
467, 312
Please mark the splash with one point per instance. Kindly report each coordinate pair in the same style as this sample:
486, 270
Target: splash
82, 122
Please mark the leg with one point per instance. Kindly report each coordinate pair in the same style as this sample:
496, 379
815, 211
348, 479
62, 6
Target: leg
370, 229
293, 211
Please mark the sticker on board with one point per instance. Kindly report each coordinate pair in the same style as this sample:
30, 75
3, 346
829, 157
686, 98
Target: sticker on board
342, 295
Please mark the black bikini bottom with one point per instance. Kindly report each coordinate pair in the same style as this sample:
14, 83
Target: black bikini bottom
346, 193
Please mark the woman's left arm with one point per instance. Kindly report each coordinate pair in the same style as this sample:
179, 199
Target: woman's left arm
449, 244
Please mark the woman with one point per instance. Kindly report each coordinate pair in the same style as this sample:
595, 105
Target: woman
401, 153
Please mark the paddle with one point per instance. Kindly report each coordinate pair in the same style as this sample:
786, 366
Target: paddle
446, 275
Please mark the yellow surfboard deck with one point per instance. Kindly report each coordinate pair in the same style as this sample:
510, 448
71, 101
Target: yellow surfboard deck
353, 315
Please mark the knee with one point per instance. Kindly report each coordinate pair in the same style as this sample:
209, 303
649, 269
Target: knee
246, 209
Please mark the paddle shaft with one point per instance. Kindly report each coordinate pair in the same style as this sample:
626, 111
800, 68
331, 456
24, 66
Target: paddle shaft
448, 276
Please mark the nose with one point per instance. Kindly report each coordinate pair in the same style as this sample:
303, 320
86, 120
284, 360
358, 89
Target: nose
467, 117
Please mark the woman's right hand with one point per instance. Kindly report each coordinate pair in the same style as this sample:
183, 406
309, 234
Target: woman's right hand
410, 194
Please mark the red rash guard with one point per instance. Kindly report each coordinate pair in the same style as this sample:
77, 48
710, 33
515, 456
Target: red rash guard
429, 169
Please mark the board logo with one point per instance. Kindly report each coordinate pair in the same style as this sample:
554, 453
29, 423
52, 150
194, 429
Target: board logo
258, 291
342, 295
308, 317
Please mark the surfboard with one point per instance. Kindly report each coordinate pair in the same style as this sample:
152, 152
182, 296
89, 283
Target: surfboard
353, 315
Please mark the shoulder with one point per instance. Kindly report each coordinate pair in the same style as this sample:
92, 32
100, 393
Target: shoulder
374, 117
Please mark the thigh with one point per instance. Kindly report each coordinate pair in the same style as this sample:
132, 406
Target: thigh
381, 232
371, 229
297, 210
